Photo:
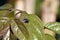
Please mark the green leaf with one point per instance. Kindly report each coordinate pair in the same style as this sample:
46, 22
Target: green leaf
49, 37
4, 25
1, 24
12, 36
22, 28
34, 26
54, 26
16, 30
6, 6
2, 12
4, 9
4, 21
10, 14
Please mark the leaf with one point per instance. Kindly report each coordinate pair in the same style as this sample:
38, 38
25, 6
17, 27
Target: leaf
7, 35
49, 37
22, 28
17, 32
10, 14
34, 26
6, 6
4, 9
54, 26
1, 24
2, 13
4, 25
12, 36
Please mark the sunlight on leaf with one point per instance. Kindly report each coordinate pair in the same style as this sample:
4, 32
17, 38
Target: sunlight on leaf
54, 26
34, 25
17, 32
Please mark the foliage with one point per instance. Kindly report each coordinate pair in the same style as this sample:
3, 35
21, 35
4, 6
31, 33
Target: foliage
25, 27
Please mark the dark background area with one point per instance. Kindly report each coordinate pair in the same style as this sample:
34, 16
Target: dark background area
2, 2
58, 16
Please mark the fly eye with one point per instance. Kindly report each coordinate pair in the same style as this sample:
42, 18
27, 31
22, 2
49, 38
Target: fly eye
25, 20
